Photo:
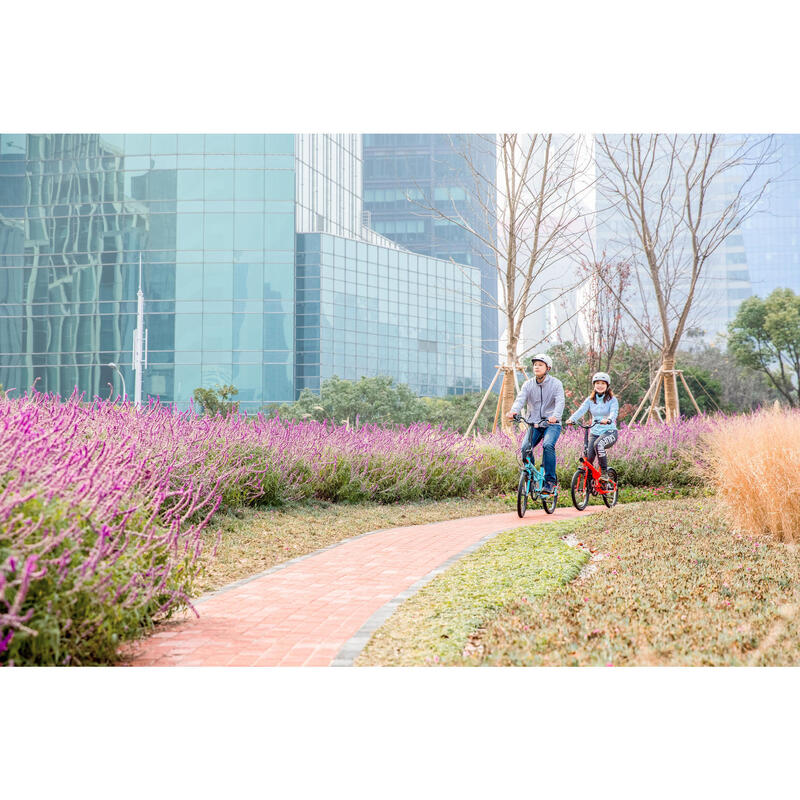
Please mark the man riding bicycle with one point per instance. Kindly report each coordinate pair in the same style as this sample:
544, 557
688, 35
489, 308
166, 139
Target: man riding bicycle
543, 396
603, 407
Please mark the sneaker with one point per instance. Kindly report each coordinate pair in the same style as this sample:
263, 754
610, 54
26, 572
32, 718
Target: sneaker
604, 477
549, 488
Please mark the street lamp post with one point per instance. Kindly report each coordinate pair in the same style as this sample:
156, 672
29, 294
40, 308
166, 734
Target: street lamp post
121, 377
139, 343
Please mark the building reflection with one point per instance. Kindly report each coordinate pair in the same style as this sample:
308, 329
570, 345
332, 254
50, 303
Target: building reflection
69, 240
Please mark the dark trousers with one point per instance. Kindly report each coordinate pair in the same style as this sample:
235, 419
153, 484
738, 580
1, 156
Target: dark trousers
550, 435
599, 445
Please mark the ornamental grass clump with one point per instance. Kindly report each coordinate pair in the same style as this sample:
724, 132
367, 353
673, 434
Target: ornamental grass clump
752, 463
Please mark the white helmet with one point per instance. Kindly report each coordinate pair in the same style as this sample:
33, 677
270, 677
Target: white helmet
601, 376
543, 357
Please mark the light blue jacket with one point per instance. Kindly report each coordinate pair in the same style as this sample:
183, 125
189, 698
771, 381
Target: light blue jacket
605, 409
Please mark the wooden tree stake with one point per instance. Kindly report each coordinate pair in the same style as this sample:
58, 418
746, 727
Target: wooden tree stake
483, 402
689, 391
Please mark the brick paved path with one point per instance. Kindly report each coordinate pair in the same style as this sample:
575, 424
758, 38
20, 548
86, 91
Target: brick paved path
320, 609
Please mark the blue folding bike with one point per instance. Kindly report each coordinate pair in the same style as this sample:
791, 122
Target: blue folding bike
531, 481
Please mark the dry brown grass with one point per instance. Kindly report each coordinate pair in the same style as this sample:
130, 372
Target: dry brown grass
752, 464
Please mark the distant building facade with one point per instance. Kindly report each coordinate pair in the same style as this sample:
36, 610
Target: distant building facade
405, 174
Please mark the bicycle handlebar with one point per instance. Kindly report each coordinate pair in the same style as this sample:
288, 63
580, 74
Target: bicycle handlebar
518, 418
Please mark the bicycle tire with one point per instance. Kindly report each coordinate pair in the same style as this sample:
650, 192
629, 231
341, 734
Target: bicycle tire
522, 495
549, 502
610, 498
580, 489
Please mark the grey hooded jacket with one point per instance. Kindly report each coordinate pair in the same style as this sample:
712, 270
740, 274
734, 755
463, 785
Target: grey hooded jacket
545, 399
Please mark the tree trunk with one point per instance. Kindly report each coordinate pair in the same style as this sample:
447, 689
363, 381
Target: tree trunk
672, 407
507, 398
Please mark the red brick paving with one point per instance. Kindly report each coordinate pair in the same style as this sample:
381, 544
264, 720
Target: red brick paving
303, 614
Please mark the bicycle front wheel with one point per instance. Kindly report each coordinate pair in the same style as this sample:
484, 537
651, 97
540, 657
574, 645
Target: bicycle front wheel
610, 498
579, 488
522, 495
550, 501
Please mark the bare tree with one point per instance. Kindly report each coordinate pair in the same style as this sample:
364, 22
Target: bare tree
604, 313
534, 226
680, 196
603, 338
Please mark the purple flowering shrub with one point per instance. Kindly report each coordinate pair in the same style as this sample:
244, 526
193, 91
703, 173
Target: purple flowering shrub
96, 537
102, 507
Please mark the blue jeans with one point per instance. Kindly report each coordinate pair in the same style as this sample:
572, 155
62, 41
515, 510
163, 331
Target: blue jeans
550, 435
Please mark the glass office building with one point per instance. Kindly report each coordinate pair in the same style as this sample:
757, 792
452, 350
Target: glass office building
366, 310
215, 222
212, 218
404, 173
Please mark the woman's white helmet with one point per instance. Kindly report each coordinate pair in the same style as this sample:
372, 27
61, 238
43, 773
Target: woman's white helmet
601, 376
543, 357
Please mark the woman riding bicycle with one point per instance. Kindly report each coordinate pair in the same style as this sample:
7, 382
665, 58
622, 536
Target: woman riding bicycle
603, 407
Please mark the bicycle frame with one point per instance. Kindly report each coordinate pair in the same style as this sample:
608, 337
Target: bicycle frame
590, 468
535, 477
535, 474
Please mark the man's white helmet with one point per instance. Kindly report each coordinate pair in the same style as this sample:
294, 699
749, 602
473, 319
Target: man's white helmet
601, 376
543, 357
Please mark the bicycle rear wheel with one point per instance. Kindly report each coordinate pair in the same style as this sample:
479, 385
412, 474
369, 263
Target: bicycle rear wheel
522, 495
610, 498
550, 501
579, 488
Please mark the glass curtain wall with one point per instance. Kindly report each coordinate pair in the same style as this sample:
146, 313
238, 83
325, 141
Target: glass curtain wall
329, 183
366, 310
771, 238
212, 218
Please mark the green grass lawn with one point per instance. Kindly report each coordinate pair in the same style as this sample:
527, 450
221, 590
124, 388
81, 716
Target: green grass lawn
673, 586
434, 625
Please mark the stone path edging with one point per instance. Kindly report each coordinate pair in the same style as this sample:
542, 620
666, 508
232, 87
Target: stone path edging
353, 647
